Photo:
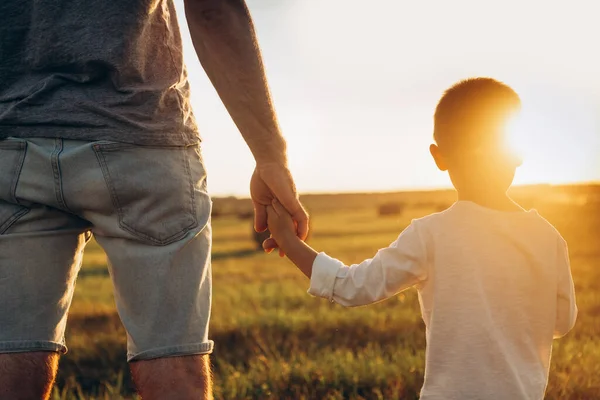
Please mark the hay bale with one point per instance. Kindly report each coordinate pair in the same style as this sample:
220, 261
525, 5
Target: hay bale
387, 209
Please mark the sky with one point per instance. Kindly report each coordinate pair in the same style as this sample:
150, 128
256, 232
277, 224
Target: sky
355, 87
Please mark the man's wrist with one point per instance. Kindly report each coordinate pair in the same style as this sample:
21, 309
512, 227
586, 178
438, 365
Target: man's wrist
271, 151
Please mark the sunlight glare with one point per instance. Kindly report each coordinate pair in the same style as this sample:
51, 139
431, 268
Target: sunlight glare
522, 135
516, 136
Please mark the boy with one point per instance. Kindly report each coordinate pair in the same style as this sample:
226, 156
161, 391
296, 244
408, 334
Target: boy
494, 280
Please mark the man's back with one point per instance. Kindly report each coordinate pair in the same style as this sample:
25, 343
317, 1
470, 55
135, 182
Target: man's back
92, 70
499, 289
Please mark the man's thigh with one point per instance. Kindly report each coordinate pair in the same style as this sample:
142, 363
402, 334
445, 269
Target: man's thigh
40, 249
163, 294
155, 229
40, 254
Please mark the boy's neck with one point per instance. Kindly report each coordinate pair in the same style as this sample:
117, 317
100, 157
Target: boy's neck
496, 201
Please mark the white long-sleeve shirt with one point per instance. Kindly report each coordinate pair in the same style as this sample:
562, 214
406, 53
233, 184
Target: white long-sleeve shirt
494, 288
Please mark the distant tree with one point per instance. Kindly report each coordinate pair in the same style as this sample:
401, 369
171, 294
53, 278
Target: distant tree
216, 212
245, 214
391, 209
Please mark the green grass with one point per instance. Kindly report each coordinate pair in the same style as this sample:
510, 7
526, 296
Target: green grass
273, 341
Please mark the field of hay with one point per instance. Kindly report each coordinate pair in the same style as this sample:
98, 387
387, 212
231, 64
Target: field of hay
273, 341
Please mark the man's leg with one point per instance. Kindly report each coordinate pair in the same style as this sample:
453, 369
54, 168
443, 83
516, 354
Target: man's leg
164, 301
37, 278
152, 217
41, 248
25, 376
185, 377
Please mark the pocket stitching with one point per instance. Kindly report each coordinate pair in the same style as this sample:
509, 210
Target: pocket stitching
4, 227
99, 150
188, 171
22, 146
10, 145
14, 179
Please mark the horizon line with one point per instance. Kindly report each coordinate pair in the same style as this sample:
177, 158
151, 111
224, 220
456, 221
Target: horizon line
416, 189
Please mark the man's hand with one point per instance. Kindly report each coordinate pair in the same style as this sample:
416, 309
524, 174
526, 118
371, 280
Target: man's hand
272, 181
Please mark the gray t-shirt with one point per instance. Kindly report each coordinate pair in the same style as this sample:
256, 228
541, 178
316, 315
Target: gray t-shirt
94, 70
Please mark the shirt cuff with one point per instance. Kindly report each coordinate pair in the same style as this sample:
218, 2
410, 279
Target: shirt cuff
324, 271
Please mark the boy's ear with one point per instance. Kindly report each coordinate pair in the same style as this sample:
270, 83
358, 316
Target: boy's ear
438, 157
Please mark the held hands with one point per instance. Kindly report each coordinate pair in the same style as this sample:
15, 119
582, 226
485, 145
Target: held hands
283, 230
273, 181
281, 225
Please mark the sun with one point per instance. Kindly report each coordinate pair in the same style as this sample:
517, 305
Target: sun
524, 130
545, 146
517, 135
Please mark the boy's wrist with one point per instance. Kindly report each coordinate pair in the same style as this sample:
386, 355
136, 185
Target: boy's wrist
289, 243
300, 254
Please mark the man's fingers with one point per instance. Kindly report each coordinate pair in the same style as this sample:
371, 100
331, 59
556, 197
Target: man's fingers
301, 218
271, 213
281, 185
260, 217
288, 199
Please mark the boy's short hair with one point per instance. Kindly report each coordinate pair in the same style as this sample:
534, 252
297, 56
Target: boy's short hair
472, 112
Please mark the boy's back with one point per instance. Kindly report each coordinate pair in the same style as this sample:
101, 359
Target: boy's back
494, 280
498, 290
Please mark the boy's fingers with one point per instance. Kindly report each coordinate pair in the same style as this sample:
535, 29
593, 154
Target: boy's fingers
269, 245
271, 212
276, 211
279, 208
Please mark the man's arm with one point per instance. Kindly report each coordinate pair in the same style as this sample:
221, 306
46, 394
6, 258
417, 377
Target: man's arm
225, 42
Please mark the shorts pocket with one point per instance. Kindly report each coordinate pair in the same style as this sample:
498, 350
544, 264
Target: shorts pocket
151, 189
12, 155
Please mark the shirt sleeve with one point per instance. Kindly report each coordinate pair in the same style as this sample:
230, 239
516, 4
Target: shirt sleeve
393, 269
566, 307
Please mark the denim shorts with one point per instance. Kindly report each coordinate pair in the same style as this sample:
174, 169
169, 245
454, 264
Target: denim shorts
147, 207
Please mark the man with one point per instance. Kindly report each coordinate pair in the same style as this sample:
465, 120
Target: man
97, 136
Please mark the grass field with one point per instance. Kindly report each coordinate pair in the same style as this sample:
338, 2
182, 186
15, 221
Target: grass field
273, 341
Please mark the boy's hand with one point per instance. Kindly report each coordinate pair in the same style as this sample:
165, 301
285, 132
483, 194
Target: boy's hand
283, 229
281, 225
